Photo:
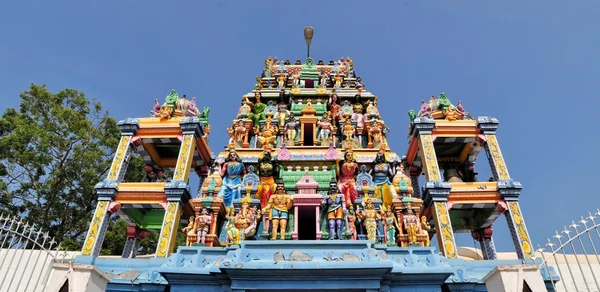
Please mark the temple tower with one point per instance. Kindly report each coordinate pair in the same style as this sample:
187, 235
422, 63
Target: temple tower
444, 143
172, 140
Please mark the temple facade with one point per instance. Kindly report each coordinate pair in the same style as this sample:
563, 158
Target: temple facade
308, 195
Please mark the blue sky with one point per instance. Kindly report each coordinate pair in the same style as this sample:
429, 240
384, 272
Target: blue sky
531, 64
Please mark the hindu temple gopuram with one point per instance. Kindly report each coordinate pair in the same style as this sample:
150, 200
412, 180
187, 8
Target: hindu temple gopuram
307, 194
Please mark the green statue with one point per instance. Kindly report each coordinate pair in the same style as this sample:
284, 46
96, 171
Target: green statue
443, 102
412, 115
171, 101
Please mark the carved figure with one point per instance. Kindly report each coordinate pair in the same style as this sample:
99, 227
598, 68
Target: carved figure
411, 225
233, 233
433, 103
334, 109
254, 217
279, 204
243, 219
369, 216
258, 108
325, 128
358, 116
231, 172
372, 111
268, 135
282, 114
336, 209
323, 79
291, 130
266, 170
425, 110
390, 224
381, 172
376, 138
281, 80
268, 66
192, 110
189, 232
351, 218
402, 182
241, 132
259, 84
337, 80
203, 223
245, 110
425, 229
462, 111
443, 103
348, 130
346, 172
295, 79
155, 112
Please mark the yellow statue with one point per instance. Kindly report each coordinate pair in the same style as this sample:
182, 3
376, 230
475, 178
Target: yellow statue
348, 130
425, 229
190, 232
233, 234
268, 135
281, 80
338, 80
369, 216
244, 111
411, 224
279, 204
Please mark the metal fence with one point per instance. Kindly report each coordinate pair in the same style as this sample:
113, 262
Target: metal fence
573, 254
26, 255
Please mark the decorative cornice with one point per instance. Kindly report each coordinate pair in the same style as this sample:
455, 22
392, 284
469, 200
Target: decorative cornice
422, 125
191, 125
107, 190
509, 189
487, 125
436, 191
129, 126
177, 190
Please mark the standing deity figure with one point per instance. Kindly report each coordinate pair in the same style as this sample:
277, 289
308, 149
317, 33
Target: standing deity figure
381, 172
240, 131
266, 171
425, 229
203, 223
231, 172
189, 232
411, 224
281, 80
280, 203
233, 233
390, 224
282, 113
348, 130
323, 79
291, 129
337, 80
258, 108
336, 209
433, 103
268, 135
376, 138
192, 110
372, 111
259, 84
369, 216
155, 112
334, 109
346, 172
351, 218
295, 79
325, 128
358, 116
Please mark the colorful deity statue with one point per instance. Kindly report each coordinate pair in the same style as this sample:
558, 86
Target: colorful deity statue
168, 108
372, 111
334, 109
240, 132
295, 79
291, 130
351, 218
254, 217
282, 114
463, 111
337, 79
346, 172
376, 138
323, 79
268, 66
425, 111
266, 171
390, 224
358, 116
335, 209
411, 225
192, 110
259, 83
402, 183
232, 172
233, 233
443, 103
425, 230
369, 216
268, 135
155, 112
203, 223
245, 110
348, 130
244, 219
325, 129
281, 80
182, 105
279, 204
381, 172
258, 108
433, 103
189, 232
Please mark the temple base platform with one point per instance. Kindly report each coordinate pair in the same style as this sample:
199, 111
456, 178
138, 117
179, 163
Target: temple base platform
291, 265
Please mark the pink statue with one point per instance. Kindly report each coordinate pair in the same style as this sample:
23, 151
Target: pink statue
462, 111
192, 110
425, 110
156, 110
203, 222
346, 172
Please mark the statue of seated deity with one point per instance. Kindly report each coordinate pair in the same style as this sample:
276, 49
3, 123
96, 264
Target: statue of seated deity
268, 135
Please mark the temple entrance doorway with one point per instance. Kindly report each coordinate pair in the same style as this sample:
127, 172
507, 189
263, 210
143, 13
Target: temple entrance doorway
307, 229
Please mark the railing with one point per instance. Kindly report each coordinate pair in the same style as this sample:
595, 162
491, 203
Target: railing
26, 255
574, 254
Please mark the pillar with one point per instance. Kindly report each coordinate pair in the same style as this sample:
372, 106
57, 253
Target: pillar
484, 237
508, 188
177, 190
107, 189
436, 196
134, 236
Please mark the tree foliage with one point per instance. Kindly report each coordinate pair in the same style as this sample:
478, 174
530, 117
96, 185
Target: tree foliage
53, 150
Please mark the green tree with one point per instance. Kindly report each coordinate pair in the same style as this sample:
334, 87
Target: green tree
53, 150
